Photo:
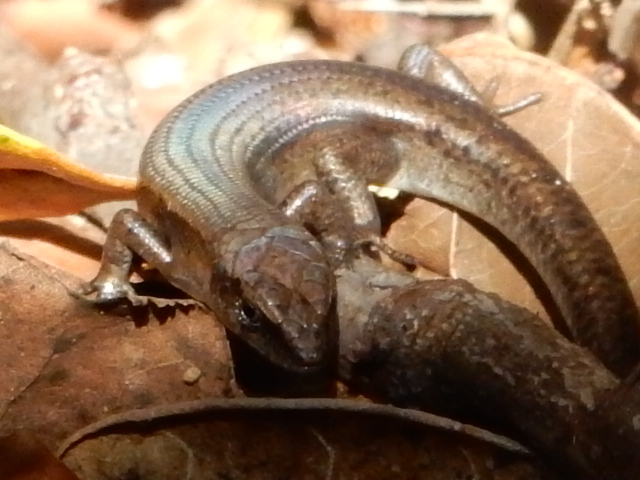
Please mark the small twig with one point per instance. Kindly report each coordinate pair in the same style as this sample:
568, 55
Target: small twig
565, 40
424, 9
625, 29
563, 43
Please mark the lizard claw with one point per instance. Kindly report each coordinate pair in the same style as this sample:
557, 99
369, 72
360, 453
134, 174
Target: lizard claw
109, 291
405, 259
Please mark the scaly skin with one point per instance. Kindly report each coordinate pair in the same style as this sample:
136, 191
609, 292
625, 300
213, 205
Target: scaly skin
198, 191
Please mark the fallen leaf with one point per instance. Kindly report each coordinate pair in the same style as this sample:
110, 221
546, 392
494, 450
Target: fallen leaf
67, 366
591, 138
267, 445
23, 457
39, 182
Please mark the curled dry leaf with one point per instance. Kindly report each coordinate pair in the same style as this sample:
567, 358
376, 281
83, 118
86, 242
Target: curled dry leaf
39, 182
270, 445
592, 140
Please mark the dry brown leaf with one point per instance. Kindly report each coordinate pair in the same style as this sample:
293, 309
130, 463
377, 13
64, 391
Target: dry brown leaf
267, 446
39, 182
583, 131
66, 366
23, 457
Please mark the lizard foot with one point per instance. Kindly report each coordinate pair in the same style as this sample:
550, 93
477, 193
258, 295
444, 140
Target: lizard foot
405, 259
101, 292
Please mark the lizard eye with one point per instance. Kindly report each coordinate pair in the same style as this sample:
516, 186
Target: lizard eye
249, 315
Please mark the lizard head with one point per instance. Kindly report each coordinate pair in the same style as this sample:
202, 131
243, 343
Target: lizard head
279, 298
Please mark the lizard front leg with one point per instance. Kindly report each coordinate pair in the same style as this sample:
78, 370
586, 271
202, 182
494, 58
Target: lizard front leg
129, 232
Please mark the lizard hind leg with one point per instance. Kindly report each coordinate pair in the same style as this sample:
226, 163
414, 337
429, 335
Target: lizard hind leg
311, 204
405, 259
335, 204
426, 63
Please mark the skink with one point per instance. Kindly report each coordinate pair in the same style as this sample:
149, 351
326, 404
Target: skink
210, 179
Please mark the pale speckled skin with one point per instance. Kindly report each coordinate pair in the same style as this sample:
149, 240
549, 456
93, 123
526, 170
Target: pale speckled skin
198, 192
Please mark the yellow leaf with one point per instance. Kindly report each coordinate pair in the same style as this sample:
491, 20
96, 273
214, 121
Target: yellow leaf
36, 181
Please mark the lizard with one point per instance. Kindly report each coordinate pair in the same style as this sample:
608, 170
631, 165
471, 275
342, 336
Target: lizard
209, 183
